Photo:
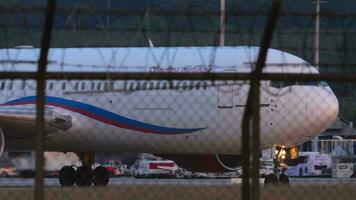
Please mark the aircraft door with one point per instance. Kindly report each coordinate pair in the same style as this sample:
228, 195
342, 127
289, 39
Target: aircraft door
225, 94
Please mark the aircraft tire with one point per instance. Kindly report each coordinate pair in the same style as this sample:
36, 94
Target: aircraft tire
83, 176
66, 176
271, 179
101, 176
283, 179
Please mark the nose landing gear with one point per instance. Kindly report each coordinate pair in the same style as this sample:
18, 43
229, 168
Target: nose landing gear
282, 154
84, 176
67, 176
272, 179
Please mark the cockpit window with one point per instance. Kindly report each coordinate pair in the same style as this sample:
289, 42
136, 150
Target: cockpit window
281, 84
307, 83
288, 83
276, 84
323, 84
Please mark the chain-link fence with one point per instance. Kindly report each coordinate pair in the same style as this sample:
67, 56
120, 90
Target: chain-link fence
140, 100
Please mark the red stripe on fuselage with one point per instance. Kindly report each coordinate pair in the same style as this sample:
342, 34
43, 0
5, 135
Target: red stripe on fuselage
90, 115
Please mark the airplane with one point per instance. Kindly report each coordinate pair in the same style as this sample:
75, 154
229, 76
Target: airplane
196, 123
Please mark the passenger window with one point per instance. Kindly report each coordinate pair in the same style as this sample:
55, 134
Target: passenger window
10, 85
138, 85
288, 83
82, 86
178, 85
92, 85
98, 86
76, 85
158, 85
23, 84
150, 85
63, 85
2, 85
131, 86
50, 87
124, 87
205, 85
144, 85
197, 85
164, 85
191, 85
106, 86
184, 86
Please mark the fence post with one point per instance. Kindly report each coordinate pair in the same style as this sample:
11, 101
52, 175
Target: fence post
252, 112
40, 100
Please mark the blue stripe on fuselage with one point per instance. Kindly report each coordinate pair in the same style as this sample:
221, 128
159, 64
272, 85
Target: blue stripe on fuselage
102, 115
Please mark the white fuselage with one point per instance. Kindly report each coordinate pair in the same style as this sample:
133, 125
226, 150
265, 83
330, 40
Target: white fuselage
162, 116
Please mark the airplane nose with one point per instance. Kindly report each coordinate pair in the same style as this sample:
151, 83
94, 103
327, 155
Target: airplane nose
323, 108
331, 109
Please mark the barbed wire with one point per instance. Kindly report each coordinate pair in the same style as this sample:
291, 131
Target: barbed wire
83, 10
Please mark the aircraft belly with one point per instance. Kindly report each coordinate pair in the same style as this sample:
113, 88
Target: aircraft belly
191, 123
222, 136
90, 135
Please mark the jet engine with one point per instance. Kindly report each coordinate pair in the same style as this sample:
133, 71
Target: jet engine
205, 163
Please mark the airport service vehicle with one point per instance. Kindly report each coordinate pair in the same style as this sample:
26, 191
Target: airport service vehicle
115, 168
54, 161
343, 170
343, 166
310, 164
154, 169
7, 169
196, 123
24, 162
266, 168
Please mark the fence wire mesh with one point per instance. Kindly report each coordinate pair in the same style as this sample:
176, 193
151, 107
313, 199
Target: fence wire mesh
141, 102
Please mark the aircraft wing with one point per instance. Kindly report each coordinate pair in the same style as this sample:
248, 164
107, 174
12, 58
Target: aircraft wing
21, 122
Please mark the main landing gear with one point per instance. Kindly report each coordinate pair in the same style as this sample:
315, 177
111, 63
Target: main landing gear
84, 176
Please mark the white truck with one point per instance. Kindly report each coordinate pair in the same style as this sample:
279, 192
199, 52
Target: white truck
265, 168
343, 167
24, 162
310, 164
